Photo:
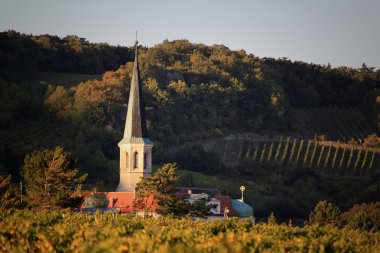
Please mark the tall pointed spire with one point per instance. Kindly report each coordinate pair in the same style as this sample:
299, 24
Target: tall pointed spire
135, 147
135, 125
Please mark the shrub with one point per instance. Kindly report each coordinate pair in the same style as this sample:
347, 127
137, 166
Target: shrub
364, 216
362, 221
272, 219
325, 213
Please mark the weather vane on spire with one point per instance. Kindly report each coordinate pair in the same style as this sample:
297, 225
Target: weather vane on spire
136, 42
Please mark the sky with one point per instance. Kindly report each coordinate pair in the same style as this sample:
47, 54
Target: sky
339, 32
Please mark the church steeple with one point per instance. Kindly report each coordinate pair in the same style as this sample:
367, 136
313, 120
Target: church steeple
135, 124
135, 147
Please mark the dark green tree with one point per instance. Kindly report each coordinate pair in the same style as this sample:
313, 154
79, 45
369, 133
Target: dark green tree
325, 213
362, 221
158, 190
201, 207
51, 178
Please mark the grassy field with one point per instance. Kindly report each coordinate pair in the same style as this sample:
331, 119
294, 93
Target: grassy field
65, 79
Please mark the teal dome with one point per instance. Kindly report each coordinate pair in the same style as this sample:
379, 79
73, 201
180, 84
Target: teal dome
243, 209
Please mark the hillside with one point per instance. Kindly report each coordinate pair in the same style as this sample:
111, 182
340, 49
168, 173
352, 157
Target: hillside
326, 158
335, 123
22, 55
245, 105
64, 79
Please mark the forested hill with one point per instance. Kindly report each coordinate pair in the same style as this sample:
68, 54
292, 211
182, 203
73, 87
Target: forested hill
192, 90
21, 55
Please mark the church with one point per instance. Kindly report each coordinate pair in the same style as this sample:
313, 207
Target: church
136, 163
135, 147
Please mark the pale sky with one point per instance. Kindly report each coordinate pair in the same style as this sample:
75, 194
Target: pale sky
340, 32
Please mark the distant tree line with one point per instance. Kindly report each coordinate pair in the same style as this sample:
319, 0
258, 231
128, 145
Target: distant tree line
23, 55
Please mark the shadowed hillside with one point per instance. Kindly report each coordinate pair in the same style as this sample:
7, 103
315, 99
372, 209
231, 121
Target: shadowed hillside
334, 123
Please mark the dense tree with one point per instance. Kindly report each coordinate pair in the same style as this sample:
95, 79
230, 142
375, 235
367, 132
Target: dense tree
325, 213
159, 189
51, 178
364, 216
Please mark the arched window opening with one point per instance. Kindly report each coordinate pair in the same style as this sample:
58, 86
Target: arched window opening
126, 160
135, 160
145, 161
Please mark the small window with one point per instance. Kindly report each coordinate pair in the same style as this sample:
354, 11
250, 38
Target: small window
145, 161
126, 160
135, 160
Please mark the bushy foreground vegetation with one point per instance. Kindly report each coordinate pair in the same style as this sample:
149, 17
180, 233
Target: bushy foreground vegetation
62, 231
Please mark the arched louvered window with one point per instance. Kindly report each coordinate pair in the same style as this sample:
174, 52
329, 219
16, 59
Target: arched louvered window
135, 160
145, 161
126, 160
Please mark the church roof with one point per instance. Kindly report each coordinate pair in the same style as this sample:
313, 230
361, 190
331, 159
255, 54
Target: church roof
135, 125
122, 200
242, 208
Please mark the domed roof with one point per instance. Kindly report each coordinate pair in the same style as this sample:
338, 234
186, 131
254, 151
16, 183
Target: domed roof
97, 200
243, 209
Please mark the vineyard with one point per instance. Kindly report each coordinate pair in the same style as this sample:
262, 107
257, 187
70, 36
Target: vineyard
336, 123
327, 158
34, 135
60, 231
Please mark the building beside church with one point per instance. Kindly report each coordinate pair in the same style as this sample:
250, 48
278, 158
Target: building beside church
135, 147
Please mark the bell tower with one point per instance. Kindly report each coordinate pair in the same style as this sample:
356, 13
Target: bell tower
135, 147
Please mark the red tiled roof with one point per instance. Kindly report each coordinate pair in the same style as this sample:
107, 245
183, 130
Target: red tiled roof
124, 201
225, 201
